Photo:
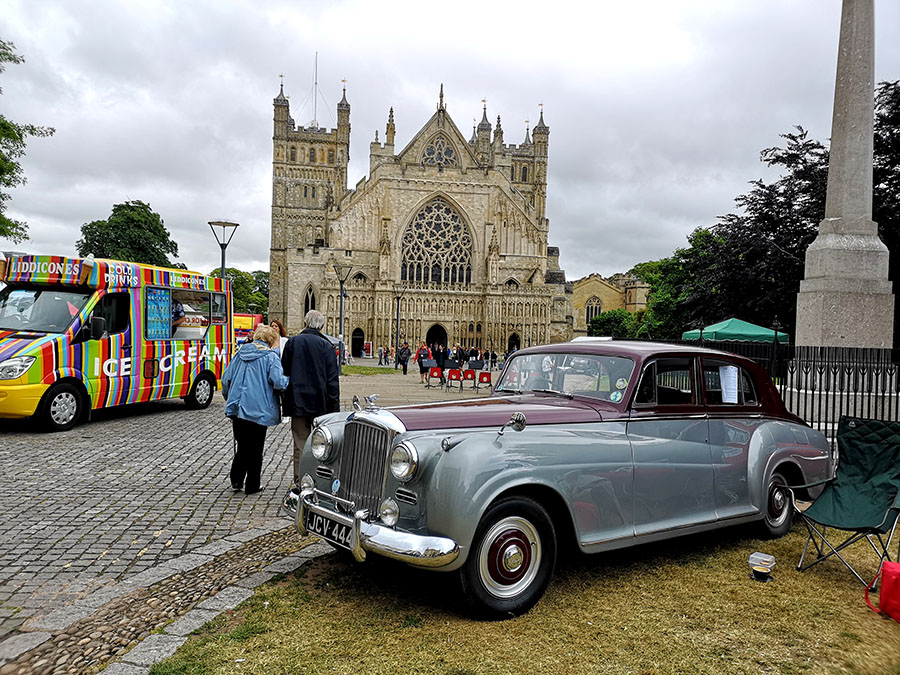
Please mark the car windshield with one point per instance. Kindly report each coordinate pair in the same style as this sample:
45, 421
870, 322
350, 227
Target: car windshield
40, 309
596, 376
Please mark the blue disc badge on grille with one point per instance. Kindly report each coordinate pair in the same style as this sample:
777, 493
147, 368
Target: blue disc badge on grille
335, 486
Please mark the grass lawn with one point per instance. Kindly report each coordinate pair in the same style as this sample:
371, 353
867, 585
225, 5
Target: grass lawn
685, 606
368, 370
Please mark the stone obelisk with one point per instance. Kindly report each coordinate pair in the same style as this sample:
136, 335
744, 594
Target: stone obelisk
845, 299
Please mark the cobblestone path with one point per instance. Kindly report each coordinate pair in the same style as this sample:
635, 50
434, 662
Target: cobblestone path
133, 490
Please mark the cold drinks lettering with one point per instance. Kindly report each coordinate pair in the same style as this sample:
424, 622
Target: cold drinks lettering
121, 275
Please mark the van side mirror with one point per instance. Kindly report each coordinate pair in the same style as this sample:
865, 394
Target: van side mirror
98, 327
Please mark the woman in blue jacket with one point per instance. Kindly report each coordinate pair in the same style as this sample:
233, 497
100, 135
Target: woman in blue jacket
249, 385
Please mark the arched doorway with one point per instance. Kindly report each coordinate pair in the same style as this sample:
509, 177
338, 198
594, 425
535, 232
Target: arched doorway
357, 340
513, 343
436, 335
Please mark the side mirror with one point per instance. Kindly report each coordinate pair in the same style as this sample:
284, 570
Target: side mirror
517, 421
98, 327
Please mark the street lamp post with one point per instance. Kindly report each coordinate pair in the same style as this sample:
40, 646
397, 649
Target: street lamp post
228, 229
399, 290
343, 273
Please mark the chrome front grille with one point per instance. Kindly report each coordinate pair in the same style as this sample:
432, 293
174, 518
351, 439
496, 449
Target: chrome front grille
364, 458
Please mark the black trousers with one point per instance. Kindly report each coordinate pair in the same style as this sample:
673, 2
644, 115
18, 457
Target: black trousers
247, 462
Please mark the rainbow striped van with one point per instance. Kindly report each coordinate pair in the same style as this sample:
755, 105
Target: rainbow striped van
78, 334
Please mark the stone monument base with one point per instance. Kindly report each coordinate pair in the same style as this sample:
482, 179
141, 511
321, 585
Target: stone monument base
845, 313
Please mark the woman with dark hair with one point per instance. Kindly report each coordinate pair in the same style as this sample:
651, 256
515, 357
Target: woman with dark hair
282, 334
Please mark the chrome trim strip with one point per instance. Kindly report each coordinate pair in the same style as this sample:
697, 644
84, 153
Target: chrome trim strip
382, 418
414, 549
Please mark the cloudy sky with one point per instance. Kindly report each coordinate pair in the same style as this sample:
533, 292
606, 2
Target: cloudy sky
657, 109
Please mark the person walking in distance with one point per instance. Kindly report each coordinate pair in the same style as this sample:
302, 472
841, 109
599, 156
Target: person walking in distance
403, 356
249, 385
315, 389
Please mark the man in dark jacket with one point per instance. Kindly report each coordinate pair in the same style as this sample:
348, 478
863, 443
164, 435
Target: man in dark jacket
308, 360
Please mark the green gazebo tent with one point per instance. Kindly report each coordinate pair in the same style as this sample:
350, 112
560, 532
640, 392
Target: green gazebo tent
735, 329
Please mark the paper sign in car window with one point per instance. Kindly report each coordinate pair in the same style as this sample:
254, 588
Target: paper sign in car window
728, 375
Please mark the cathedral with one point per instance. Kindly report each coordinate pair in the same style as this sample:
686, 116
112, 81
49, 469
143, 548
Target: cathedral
445, 241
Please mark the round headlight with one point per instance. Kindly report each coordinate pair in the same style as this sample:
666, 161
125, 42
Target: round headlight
404, 461
389, 512
320, 442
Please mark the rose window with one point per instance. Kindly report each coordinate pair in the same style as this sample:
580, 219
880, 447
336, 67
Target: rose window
436, 247
439, 153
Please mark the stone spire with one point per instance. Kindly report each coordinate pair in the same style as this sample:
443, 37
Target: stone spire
389, 130
281, 99
498, 133
343, 104
527, 140
845, 299
540, 127
484, 125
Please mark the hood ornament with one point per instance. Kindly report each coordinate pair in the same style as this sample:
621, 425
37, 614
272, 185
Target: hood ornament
370, 402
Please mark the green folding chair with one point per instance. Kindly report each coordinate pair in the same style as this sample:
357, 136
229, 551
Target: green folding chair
862, 501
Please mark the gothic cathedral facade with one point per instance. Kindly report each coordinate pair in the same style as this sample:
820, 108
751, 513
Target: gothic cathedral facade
449, 235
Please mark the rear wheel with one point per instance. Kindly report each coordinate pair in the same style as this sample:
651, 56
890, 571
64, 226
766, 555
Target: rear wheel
512, 559
61, 407
778, 508
201, 393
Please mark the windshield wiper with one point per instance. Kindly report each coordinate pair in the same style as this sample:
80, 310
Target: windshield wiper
553, 391
511, 391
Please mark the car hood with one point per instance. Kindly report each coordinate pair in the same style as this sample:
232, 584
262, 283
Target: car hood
13, 343
495, 411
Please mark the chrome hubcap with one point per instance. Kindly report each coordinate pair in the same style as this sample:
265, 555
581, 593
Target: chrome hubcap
513, 558
63, 408
509, 557
778, 504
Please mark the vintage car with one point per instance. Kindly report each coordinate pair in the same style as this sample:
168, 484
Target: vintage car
600, 444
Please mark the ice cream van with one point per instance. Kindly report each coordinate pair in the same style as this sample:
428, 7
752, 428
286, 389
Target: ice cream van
78, 334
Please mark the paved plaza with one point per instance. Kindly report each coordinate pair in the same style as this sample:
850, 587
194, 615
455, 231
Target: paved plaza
133, 492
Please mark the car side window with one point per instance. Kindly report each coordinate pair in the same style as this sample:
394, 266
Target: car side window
727, 384
667, 382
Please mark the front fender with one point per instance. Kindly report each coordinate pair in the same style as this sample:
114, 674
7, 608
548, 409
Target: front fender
465, 481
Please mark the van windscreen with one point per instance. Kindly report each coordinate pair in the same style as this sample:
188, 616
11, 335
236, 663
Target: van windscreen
40, 309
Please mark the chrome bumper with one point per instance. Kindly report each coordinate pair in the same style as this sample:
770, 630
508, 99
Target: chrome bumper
414, 549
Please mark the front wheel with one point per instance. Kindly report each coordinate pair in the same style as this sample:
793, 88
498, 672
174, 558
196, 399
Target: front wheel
778, 508
512, 559
201, 393
61, 407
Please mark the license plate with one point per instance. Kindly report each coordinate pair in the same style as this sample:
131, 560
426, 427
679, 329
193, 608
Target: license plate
332, 530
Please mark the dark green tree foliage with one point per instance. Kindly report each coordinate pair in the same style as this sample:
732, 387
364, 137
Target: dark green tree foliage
617, 323
750, 263
247, 289
132, 233
12, 148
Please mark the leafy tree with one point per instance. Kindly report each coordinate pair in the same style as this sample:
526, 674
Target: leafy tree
12, 148
750, 263
261, 279
617, 323
245, 290
132, 233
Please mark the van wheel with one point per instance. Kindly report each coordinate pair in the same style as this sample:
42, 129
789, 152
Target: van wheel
512, 559
62, 407
201, 393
